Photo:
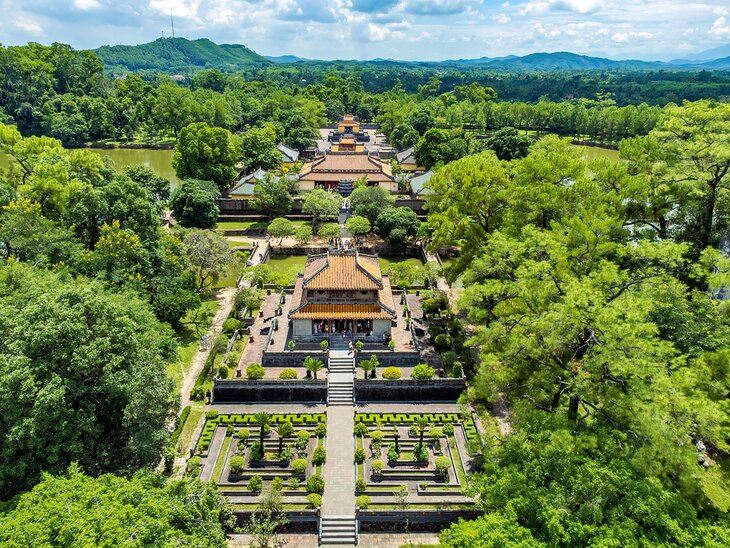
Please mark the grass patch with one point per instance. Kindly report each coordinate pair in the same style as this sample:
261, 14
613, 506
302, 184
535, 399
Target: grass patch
237, 225
361, 466
186, 436
716, 486
237, 242
194, 325
221, 458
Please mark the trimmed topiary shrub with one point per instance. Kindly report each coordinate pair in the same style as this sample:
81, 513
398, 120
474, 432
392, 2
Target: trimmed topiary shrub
377, 435
211, 414
391, 373
320, 430
448, 429
422, 454
442, 465
237, 463
457, 370
299, 466
255, 371
222, 372
255, 484
423, 371
288, 373
315, 484
377, 465
319, 456
243, 434
413, 430
277, 484
314, 500
359, 455
230, 325
442, 341
360, 429
361, 485
363, 501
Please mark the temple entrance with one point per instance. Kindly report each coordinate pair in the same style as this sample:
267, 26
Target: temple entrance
342, 327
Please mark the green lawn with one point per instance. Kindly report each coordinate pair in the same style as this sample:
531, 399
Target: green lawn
233, 225
236, 242
186, 436
191, 328
230, 277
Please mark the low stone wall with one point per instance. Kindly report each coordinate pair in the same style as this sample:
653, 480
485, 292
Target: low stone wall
372, 390
299, 521
387, 358
415, 520
287, 359
240, 391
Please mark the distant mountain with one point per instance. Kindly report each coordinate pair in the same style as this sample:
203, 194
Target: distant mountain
282, 59
716, 64
178, 54
480, 60
561, 60
707, 55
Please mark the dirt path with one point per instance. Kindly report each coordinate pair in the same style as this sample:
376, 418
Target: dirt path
225, 302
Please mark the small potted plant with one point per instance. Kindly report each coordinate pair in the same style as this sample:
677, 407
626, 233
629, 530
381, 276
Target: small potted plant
391, 345
359, 345
291, 345
324, 345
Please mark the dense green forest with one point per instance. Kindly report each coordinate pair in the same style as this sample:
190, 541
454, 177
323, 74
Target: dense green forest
587, 290
63, 93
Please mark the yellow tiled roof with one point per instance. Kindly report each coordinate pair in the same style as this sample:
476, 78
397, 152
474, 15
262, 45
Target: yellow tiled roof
342, 272
345, 311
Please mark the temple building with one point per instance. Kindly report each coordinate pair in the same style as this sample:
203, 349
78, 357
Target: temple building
348, 128
339, 170
342, 293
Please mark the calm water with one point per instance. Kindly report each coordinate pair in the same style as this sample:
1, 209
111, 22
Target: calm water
589, 153
159, 160
385, 262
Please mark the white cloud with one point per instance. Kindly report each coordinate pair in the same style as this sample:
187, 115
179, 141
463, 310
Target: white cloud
577, 6
623, 37
720, 28
502, 18
29, 26
87, 4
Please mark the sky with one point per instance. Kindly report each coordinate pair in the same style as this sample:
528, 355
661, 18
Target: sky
396, 29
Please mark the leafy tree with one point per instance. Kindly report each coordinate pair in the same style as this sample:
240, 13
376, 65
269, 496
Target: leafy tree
110, 509
281, 228
259, 148
98, 398
313, 365
695, 134
357, 225
28, 236
272, 196
303, 235
206, 153
209, 255
402, 274
158, 187
329, 230
508, 144
263, 420
194, 204
284, 429
397, 225
369, 201
321, 205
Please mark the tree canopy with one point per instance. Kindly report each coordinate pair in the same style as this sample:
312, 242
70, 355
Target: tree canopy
80, 377
147, 510
206, 153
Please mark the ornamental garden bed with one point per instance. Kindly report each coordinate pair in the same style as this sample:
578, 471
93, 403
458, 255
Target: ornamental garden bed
291, 458
414, 459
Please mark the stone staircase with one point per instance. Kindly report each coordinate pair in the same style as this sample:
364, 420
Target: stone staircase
340, 530
340, 382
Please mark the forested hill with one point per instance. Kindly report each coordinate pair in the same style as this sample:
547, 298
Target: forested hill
561, 60
178, 54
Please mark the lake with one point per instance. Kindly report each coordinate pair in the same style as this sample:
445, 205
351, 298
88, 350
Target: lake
160, 160
590, 153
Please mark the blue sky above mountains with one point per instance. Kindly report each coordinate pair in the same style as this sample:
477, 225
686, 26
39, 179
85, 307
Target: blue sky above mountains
399, 29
